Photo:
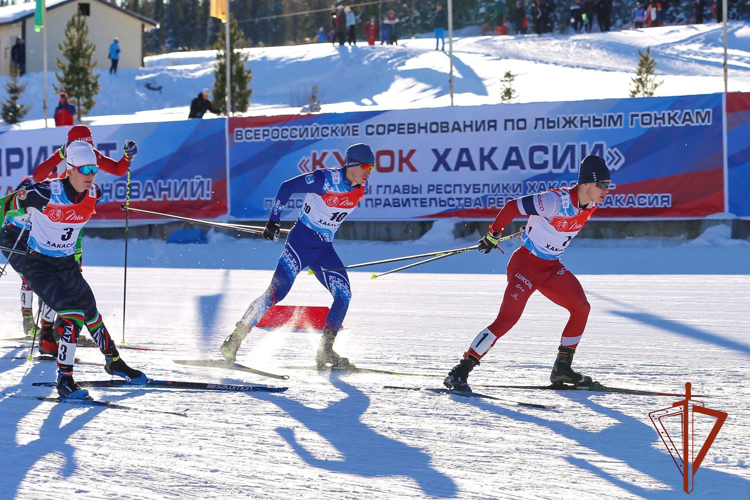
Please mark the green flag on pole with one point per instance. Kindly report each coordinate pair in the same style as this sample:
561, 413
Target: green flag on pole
39, 15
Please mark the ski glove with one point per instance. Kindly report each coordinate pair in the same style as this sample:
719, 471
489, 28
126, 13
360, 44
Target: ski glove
272, 230
489, 241
130, 149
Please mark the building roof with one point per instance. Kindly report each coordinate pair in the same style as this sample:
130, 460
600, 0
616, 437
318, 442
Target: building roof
19, 12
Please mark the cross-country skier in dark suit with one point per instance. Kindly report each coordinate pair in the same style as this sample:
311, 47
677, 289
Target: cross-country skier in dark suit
59, 208
332, 194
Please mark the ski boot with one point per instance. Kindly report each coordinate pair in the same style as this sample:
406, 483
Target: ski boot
29, 326
47, 343
232, 343
68, 388
457, 378
326, 355
562, 373
116, 366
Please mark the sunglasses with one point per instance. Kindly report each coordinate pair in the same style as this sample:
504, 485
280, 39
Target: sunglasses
87, 169
366, 167
603, 184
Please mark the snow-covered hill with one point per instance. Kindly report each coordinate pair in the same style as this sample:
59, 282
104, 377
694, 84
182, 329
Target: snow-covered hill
413, 74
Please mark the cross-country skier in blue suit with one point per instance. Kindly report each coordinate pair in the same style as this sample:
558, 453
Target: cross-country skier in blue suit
332, 194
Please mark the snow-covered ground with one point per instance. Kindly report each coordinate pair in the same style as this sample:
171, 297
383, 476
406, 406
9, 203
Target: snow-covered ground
413, 74
663, 313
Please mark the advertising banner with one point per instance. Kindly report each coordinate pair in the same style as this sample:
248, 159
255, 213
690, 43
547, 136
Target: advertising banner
665, 154
180, 167
738, 154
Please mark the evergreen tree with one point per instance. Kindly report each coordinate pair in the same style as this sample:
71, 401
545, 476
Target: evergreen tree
173, 33
11, 110
77, 76
644, 84
240, 75
508, 93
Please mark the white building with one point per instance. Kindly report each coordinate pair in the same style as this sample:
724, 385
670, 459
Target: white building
105, 22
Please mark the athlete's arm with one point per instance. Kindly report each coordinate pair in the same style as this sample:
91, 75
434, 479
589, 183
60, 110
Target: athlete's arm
111, 166
43, 171
305, 183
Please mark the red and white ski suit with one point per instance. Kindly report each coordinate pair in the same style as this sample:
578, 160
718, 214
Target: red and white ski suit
554, 220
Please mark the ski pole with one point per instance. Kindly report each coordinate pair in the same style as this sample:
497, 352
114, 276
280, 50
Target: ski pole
224, 225
12, 250
125, 274
398, 259
413, 265
418, 256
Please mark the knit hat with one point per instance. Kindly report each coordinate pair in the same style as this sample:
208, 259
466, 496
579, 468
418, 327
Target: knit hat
79, 154
593, 169
80, 133
359, 154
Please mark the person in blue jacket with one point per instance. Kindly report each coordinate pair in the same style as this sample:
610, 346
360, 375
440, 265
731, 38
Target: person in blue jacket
439, 27
332, 194
114, 55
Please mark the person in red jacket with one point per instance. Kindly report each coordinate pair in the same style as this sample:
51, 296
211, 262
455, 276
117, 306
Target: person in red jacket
371, 31
48, 168
65, 112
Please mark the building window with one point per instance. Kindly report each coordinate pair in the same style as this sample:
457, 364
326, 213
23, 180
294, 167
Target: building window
84, 9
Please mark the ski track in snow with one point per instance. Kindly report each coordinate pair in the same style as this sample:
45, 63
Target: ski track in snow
344, 436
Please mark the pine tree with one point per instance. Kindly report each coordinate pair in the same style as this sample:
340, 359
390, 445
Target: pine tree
241, 76
644, 84
11, 110
77, 76
508, 93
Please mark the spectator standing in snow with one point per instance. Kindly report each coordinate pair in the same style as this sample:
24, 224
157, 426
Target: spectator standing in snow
715, 8
604, 14
537, 17
64, 112
339, 24
18, 56
639, 15
351, 25
519, 16
576, 17
114, 55
322, 36
200, 105
439, 27
371, 31
587, 11
391, 23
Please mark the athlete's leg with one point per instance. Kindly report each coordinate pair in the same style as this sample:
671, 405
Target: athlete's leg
298, 250
337, 283
564, 289
524, 272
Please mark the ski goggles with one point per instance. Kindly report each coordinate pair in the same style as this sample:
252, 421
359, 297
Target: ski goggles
87, 169
603, 184
366, 166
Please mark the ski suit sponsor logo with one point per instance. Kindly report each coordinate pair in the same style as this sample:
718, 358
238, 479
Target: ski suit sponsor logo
72, 216
22, 194
338, 201
540, 203
55, 215
568, 226
309, 179
524, 280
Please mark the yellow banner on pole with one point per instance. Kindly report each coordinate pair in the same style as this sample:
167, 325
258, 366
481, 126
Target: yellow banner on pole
219, 9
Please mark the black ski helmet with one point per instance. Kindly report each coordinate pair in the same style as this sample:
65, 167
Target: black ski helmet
359, 154
593, 169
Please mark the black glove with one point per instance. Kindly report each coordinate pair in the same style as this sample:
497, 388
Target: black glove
489, 241
130, 149
272, 230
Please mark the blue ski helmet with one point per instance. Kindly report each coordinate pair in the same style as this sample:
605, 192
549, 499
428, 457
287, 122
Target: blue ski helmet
359, 154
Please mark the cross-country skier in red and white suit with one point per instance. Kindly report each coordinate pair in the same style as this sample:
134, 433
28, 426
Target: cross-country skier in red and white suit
555, 218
